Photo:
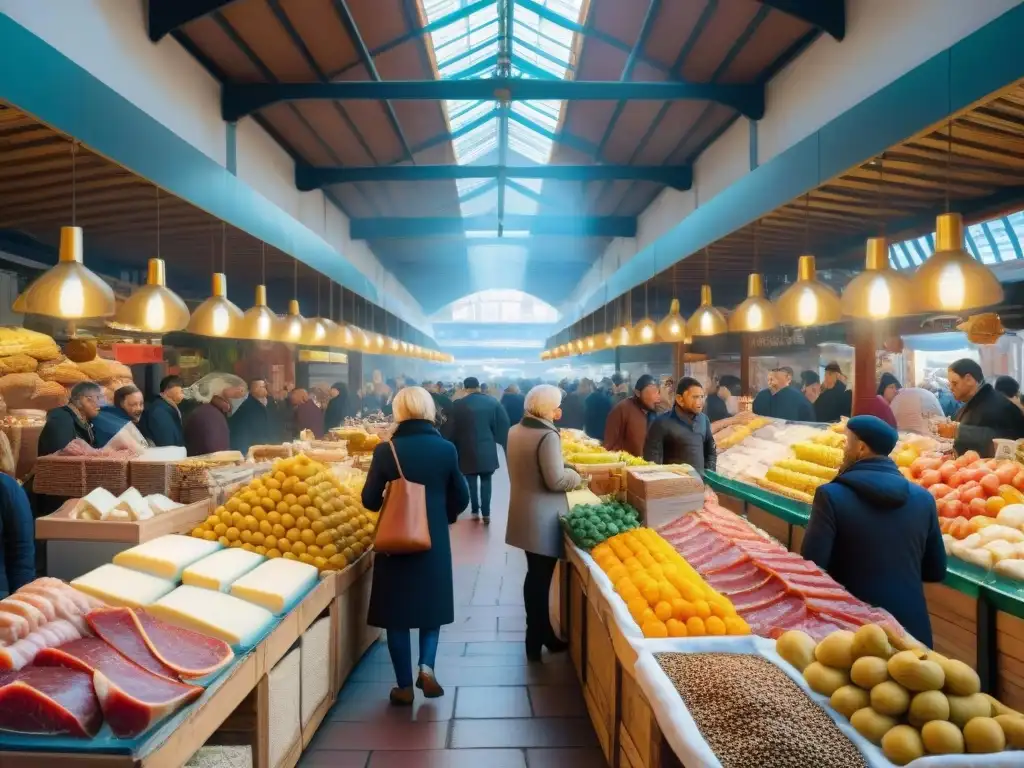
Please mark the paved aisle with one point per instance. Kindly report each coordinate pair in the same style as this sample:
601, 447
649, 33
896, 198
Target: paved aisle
497, 712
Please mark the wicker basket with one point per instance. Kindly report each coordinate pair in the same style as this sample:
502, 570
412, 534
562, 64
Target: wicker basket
149, 477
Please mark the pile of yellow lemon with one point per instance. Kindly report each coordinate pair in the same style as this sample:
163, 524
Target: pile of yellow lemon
299, 511
665, 595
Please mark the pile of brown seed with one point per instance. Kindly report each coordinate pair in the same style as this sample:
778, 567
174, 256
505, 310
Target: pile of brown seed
751, 714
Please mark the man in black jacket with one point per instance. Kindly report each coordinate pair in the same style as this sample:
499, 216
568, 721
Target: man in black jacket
161, 421
683, 435
252, 423
596, 408
781, 400
514, 403
835, 400
876, 533
479, 426
985, 416
73, 420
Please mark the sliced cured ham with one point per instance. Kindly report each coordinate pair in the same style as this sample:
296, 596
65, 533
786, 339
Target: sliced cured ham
49, 701
20, 654
14, 604
38, 603
132, 699
179, 651
725, 558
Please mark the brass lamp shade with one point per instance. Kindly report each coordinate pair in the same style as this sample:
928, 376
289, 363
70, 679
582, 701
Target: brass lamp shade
259, 322
589, 344
708, 320
950, 280
879, 291
393, 345
321, 331
216, 316
808, 301
755, 313
672, 327
622, 336
605, 340
69, 290
154, 307
294, 329
645, 332
577, 346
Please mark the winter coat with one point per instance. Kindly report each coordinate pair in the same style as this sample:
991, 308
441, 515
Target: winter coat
832, 404
877, 406
681, 438
108, 423
415, 591
715, 408
985, 417
17, 537
479, 426
573, 413
788, 403
514, 405
627, 425
596, 408
251, 425
62, 426
539, 479
206, 430
443, 418
878, 535
308, 415
337, 411
161, 423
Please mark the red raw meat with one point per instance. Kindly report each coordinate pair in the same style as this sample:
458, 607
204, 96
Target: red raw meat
854, 612
815, 626
132, 699
743, 573
118, 627
51, 702
186, 653
727, 558
708, 552
768, 591
777, 613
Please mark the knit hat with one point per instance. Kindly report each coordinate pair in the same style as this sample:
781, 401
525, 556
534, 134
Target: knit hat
645, 381
874, 433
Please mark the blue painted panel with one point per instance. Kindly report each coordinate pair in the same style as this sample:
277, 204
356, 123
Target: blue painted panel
42, 81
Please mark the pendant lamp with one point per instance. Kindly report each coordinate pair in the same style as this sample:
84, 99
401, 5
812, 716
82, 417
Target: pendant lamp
879, 291
708, 320
259, 323
645, 331
672, 327
950, 280
216, 316
755, 313
294, 328
319, 330
622, 336
808, 301
154, 308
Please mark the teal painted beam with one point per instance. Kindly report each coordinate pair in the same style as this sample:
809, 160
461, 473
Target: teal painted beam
827, 15
63, 95
308, 177
165, 16
383, 228
975, 67
241, 99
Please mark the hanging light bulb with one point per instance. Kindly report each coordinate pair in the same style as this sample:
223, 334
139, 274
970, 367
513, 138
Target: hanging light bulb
259, 322
589, 344
672, 327
879, 291
293, 325
950, 280
216, 316
807, 301
154, 307
708, 320
755, 313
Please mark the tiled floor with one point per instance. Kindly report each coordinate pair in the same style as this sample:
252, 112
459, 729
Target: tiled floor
498, 711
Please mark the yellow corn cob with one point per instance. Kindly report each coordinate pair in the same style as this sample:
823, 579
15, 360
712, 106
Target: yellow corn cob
834, 439
807, 468
824, 455
594, 458
783, 490
795, 480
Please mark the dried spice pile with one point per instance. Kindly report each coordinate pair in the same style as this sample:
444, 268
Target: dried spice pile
751, 714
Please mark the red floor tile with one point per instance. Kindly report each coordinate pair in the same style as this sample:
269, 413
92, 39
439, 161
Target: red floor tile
557, 701
536, 732
382, 735
483, 703
450, 758
332, 758
368, 702
590, 757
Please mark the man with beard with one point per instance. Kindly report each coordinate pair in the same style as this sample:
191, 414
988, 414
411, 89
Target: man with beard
781, 400
128, 406
875, 532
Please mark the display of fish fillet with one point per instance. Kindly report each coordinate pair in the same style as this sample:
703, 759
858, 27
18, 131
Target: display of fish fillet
50, 702
20, 654
42, 614
132, 699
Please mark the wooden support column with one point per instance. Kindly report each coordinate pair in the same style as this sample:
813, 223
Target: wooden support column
355, 373
746, 344
864, 336
678, 355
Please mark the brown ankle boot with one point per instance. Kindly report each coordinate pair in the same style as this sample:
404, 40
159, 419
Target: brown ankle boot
402, 697
427, 683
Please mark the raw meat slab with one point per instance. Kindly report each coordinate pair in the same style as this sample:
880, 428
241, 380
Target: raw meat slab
50, 702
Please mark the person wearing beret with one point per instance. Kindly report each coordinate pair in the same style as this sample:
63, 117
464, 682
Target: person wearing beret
875, 532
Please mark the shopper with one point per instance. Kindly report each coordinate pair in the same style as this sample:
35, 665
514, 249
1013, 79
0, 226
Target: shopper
161, 421
514, 403
126, 409
338, 407
479, 426
573, 408
620, 387
913, 407
875, 532
724, 401
251, 423
17, 537
683, 435
630, 419
71, 421
985, 416
835, 401
539, 479
206, 427
596, 408
879, 405
781, 400
1008, 387
415, 591
443, 407
667, 393
810, 386
306, 415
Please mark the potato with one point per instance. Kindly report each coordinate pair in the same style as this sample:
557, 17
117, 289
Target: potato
984, 735
942, 738
870, 640
914, 674
849, 699
928, 706
1013, 729
825, 680
869, 671
890, 698
961, 680
836, 650
965, 708
902, 744
871, 725
796, 647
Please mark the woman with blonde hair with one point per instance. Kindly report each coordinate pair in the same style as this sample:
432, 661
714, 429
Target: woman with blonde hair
415, 591
539, 480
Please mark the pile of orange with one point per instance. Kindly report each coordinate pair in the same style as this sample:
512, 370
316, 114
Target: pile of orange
664, 595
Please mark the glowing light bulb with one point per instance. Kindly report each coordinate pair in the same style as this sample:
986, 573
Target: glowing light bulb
72, 297
221, 321
952, 289
609, 340
349, 338
647, 334
879, 298
294, 329
705, 322
807, 307
263, 326
590, 342
155, 314
755, 317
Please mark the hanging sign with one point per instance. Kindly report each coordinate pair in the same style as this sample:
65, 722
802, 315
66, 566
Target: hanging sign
138, 354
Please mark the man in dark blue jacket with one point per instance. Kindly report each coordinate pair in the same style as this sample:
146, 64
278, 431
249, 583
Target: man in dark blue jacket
875, 532
781, 400
479, 426
127, 407
596, 408
161, 421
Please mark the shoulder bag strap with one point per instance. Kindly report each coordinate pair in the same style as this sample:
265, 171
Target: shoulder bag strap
395, 454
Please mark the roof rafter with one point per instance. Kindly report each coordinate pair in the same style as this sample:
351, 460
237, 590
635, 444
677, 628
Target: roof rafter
165, 16
241, 99
826, 15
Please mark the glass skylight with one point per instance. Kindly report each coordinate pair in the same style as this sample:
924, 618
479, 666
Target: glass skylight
990, 242
468, 47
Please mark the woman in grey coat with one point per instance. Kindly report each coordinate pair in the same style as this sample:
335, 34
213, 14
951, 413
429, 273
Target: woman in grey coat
539, 480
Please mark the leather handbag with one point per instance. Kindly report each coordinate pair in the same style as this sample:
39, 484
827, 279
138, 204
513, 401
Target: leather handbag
402, 526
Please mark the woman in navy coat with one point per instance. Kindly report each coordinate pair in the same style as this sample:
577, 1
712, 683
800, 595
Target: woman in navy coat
415, 591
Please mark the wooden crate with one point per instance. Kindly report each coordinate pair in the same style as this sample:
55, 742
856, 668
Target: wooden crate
600, 688
954, 618
354, 635
59, 525
577, 624
1010, 659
